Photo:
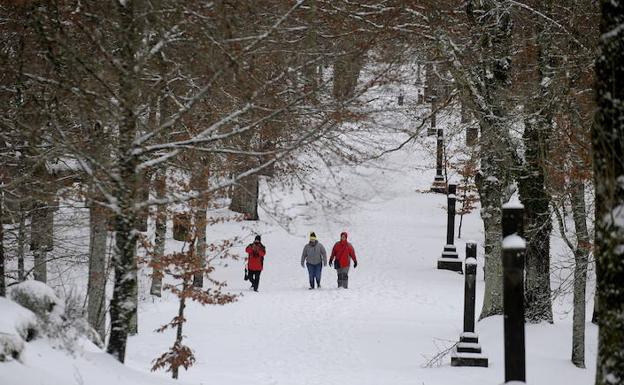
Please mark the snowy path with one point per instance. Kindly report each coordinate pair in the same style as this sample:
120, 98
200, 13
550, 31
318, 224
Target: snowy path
381, 330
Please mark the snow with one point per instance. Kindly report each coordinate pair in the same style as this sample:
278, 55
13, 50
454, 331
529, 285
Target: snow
471, 261
468, 335
513, 203
514, 242
474, 345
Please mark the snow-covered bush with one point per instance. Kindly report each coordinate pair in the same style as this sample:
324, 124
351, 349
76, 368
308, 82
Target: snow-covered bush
17, 326
40, 299
62, 321
75, 320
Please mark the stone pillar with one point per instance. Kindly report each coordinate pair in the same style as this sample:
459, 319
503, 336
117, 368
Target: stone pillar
439, 185
468, 350
449, 259
513, 252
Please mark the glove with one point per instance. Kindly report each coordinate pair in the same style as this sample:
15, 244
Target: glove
354, 264
302, 265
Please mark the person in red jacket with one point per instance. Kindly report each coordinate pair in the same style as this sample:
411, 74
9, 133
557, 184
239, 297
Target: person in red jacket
342, 254
255, 261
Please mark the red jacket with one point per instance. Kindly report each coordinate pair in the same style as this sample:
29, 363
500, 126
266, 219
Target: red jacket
255, 256
343, 252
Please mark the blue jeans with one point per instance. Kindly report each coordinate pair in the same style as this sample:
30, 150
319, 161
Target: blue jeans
314, 271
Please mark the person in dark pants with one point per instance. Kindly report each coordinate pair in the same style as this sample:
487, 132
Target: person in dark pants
255, 261
343, 253
314, 257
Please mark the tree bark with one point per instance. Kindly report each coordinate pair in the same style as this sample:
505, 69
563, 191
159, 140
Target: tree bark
96, 289
595, 313
21, 239
245, 198
2, 261
581, 253
160, 236
608, 156
536, 200
347, 66
179, 330
41, 239
133, 324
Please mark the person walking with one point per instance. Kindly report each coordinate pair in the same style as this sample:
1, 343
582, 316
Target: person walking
255, 261
341, 257
314, 257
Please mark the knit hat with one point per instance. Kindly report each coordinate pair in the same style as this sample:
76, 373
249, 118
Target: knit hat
313, 236
258, 238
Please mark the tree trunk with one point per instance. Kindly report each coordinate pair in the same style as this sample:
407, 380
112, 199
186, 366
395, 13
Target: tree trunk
608, 156
595, 313
122, 306
2, 266
494, 24
245, 198
179, 335
490, 196
347, 66
309, 54
21, 239
96, 289
160, 236
200, 247
41, 239
532, 182
133, 324
579, 213
538, 222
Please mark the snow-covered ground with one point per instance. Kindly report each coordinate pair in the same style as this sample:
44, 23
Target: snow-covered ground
398, 312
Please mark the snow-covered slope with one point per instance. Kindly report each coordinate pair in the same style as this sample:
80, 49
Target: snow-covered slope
398, 312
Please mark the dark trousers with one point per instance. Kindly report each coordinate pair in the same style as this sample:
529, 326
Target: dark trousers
343, 277
314, 271
254, 278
